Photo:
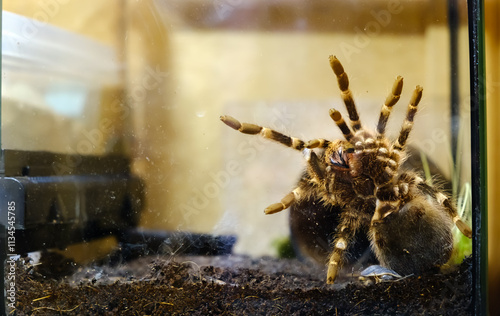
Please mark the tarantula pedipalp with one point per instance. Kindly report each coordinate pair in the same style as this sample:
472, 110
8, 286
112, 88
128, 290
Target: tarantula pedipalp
407, 221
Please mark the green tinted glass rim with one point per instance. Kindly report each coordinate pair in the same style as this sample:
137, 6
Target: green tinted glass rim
478, 154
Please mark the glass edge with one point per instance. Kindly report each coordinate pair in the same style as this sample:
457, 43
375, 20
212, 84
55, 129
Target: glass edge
478, 155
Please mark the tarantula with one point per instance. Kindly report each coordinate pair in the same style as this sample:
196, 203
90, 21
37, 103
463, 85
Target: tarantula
407, 221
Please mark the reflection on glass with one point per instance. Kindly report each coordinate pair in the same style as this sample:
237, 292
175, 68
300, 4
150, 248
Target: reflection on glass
55, 87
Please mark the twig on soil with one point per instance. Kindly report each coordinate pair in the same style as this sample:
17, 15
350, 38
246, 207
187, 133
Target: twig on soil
41, 298
56, 309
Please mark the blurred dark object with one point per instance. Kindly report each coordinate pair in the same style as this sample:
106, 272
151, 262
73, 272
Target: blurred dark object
58, 199
140, 242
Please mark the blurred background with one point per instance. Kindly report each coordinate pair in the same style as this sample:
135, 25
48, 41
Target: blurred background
150, 79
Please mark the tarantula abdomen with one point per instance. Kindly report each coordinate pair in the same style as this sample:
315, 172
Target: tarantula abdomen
416, 239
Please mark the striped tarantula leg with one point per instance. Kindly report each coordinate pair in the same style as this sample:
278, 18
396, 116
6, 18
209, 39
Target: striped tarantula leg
284, 203
339, 120
315, 166
445, 201
461, 225
384, 209
390, 101
408, 122
346, 94
265, 132
317, 143
389, 196
348, 225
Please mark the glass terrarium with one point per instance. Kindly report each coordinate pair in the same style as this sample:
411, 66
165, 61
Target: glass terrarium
124, 192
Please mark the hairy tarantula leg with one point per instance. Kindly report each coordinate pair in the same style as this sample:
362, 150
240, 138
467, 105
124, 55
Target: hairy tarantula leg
285, 202
445, 201
349, 223
334, 265
461, 225
346, 94
408, 122
265, 132
315, 167
384, 209
390, 101
317, 143
339, 120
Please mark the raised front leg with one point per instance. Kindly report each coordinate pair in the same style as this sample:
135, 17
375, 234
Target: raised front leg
345, 92
252, 129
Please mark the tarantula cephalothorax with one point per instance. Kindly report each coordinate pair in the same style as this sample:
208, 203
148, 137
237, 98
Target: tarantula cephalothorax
407, 221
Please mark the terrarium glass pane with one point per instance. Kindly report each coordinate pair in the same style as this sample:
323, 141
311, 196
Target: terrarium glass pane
158, 207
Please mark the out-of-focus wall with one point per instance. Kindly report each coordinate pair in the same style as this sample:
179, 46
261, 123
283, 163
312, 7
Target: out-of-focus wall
100, 21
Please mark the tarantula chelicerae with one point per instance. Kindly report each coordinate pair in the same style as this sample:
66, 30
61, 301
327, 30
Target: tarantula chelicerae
407, 221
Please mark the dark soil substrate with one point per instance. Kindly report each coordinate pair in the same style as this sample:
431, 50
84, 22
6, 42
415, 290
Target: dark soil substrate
235, 285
